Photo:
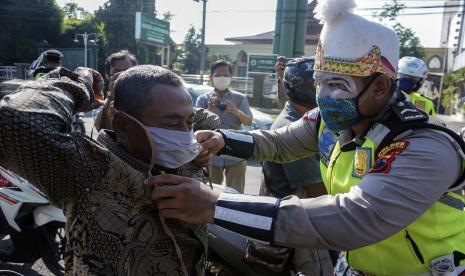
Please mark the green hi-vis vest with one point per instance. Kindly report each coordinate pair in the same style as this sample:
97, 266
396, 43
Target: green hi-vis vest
423, 103
438, 232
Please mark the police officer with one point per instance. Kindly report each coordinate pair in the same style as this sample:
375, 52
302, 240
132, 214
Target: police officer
412, 74
50, 59
393, 178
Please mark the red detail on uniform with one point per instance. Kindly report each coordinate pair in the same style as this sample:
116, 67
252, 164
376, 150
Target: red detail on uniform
311, 116
387, 155
8, 199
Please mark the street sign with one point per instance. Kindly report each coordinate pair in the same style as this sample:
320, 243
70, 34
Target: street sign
259, 63
152, 30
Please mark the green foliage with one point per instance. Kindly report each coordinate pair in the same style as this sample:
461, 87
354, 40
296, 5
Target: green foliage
410, 44
118, 18
73, 11
191, 52
24, 24
453, 83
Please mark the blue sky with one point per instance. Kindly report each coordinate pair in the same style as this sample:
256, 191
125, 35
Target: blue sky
226, 18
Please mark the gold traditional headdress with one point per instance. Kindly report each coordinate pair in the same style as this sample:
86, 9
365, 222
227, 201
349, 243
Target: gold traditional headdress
361, 67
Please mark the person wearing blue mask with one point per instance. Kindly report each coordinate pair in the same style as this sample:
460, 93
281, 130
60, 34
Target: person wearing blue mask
411, 76
394, 178
113, 226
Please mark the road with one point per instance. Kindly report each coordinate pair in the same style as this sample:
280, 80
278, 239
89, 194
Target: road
253, 180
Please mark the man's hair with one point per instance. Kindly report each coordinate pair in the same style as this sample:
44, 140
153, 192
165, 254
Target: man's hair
119, 56
133, 87
220, 63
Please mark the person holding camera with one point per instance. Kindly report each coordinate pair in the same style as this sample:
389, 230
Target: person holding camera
233, 109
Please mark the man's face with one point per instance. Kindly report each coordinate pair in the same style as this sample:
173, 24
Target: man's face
222, 71
119, 66
340, 86
167, 107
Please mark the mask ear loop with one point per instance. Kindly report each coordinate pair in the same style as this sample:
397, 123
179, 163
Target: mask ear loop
166, 229
365, 89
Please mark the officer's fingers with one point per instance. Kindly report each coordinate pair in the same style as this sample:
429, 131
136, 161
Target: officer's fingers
167, 203
164, 179
172, 213
175, 193
203, 135
213, 144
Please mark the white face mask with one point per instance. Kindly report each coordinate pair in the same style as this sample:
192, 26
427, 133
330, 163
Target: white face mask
221, 83
170, 148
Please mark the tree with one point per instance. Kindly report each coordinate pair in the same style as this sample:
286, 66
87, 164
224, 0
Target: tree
25, 24
190, 58
73, 11
118, 18
410, 44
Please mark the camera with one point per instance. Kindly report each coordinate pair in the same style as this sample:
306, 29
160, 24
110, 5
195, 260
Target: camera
221, 105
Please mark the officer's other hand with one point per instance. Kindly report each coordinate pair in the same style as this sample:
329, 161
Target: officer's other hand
210, 141
96, 81
183, 198
280, 66
204, 157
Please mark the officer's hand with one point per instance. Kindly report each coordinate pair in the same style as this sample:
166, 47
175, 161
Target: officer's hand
183, 198
210, 141
204, 157
280, 66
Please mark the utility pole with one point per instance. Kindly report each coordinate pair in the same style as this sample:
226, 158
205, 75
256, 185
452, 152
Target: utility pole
85, 37
203, 50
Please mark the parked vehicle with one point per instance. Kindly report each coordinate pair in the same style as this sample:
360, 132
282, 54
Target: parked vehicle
34, 226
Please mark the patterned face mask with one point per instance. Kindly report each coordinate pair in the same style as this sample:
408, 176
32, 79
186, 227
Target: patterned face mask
338, 114
338, 111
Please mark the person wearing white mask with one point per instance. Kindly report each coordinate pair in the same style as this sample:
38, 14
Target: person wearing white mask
233, 109
114, 228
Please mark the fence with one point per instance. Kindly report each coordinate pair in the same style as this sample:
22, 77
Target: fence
7, 72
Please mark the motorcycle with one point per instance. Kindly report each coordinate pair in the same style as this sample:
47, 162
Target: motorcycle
34, 226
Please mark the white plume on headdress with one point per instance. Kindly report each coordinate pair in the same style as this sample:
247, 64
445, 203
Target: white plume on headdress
330, 10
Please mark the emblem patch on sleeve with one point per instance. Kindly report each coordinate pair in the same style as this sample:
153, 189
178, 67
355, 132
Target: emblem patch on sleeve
312, 115
387, 155
362, 162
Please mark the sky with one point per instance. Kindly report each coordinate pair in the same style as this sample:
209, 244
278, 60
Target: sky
230, 18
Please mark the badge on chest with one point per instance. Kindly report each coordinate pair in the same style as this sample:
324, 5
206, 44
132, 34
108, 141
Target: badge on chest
362, 162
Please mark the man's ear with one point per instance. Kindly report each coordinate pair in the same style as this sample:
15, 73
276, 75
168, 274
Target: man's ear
120, 123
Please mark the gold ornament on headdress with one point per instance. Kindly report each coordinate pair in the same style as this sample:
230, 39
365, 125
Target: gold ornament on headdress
361, 67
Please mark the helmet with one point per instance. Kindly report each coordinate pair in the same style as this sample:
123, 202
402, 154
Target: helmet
412, 67
411, 74
299, 83
53, 56
53, 53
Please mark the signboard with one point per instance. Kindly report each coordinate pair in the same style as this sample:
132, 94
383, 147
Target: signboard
152, 30
258, 63
435, 63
